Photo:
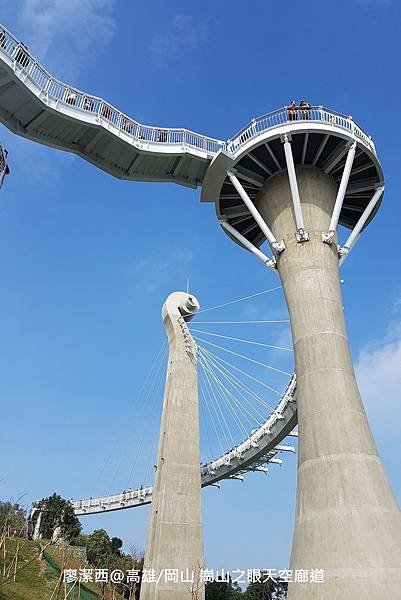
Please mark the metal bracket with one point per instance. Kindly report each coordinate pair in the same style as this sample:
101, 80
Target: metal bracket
328, 236
264, 470
302, 235
284, 448
271, 263
342, 250
279, 246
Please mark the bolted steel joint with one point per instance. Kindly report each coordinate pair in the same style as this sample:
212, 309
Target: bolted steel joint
302, 235
328, 236
342, 250
278, 246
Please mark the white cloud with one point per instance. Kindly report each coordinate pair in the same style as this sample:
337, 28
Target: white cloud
153, 272
273, 308
184, 34
397, 303
378, 370
66, 35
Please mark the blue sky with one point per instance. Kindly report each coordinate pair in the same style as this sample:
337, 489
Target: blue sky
86, 261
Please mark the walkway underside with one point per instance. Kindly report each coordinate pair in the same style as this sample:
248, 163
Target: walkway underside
36, 106
93, 139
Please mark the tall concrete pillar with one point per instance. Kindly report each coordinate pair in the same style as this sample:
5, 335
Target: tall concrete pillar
175, 539
347, 518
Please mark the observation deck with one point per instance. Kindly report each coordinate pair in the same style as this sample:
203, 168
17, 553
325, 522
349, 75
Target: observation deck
319, 137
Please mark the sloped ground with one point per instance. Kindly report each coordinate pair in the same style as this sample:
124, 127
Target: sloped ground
38, 578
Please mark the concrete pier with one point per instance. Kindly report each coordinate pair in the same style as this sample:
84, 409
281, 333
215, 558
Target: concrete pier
347, 519
175, 540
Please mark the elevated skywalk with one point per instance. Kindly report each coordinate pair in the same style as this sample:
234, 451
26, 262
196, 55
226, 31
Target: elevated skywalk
37, 106
255, 453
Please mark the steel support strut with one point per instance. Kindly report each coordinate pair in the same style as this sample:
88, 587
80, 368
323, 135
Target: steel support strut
301, 233
328, 236
268, 262
346, 248
275, 244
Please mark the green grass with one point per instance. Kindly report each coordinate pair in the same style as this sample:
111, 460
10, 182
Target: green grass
35, 579
32, 581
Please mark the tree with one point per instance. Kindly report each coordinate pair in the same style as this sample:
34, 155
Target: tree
98, 547
106, 553
134, 560
12, 519
116, 545
222, 590
57, 516
270, 590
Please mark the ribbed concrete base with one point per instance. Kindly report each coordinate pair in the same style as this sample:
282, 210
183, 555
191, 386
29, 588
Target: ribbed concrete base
347, 519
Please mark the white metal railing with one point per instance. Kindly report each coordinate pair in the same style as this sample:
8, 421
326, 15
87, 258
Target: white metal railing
140, 494
26, 66
254, 438
283, 116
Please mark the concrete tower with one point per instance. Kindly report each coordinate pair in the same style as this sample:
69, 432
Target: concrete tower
175, 531
292, 185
